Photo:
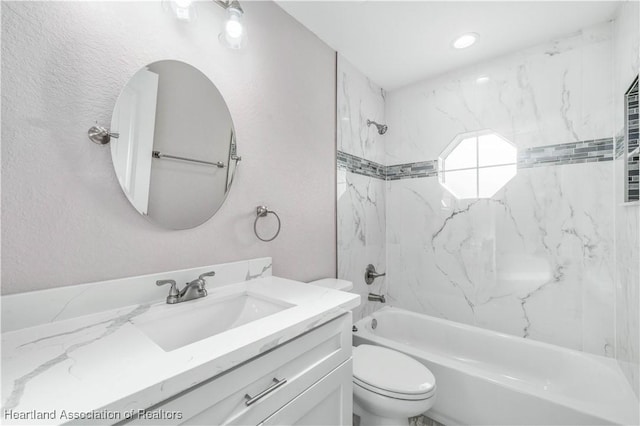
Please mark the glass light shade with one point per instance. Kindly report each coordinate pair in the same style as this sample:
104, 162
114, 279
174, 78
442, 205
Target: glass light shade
184, 9
234, 34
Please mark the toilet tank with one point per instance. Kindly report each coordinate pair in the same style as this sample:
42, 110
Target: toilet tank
333, 283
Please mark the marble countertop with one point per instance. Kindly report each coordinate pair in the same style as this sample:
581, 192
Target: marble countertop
103, 364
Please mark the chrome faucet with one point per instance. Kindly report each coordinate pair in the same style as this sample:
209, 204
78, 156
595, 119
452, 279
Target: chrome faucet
193, 290
377, 298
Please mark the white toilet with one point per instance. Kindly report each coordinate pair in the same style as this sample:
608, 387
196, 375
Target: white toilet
388, 386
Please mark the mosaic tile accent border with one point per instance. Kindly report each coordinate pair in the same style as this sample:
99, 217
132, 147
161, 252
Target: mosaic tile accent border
567, 153
361, 166
412, 170
633, 150
550, 155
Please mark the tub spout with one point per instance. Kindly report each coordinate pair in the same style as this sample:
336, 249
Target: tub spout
377, 298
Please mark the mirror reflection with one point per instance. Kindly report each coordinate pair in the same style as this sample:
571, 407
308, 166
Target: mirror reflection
176, 152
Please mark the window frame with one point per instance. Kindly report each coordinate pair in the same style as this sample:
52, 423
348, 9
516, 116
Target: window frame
455, 142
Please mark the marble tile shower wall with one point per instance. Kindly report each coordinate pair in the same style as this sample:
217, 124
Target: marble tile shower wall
627, 216
361, 195
536, 260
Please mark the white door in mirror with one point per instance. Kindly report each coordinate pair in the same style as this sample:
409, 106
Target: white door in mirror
135, 116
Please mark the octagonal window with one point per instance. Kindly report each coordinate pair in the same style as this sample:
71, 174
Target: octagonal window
477, 164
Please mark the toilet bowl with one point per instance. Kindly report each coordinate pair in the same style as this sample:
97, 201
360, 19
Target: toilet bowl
388, 386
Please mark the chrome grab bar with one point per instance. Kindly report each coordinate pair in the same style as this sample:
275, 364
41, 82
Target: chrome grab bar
158, 154
251, 399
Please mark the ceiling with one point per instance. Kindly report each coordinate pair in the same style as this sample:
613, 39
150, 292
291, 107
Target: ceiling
399, 42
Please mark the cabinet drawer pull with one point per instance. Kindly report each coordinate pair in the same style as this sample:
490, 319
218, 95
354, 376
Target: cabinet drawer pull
277, 383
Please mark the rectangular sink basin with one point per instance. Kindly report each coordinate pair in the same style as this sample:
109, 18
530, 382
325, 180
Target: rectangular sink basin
174, 326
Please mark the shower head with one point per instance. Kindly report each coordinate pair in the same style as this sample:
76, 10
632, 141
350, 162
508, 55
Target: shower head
382, 128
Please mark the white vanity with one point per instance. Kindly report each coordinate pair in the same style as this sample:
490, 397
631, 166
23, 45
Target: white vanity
256, 350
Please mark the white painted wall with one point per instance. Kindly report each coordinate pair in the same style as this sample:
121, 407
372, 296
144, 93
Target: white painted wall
65, 219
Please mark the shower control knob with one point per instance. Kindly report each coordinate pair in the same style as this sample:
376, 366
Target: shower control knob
370, 274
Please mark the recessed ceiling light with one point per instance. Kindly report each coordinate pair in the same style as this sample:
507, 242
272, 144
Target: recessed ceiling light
482, 79
465, 40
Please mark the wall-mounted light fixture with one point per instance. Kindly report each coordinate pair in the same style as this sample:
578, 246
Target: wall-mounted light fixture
234, 34
184, 10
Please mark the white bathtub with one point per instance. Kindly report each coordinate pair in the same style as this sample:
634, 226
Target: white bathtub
489, 378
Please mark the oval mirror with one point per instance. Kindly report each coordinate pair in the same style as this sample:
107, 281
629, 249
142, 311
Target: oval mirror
175, 152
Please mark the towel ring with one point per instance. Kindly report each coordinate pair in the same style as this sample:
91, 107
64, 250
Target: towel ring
263, 211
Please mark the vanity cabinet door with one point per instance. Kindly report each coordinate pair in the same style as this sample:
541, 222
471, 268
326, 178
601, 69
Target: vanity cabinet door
302, 362
329, 402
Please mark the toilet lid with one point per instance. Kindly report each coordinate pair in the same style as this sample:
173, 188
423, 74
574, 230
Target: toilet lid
391, 371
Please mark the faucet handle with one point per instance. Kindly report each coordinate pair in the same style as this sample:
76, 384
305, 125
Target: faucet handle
163, 282
370, 274
173, 291
206, 274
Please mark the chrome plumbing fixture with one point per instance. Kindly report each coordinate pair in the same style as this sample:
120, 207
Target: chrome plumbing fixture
376, 298
370, 274
193, 290
263, 211
382, 128
101, 135
158, 154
